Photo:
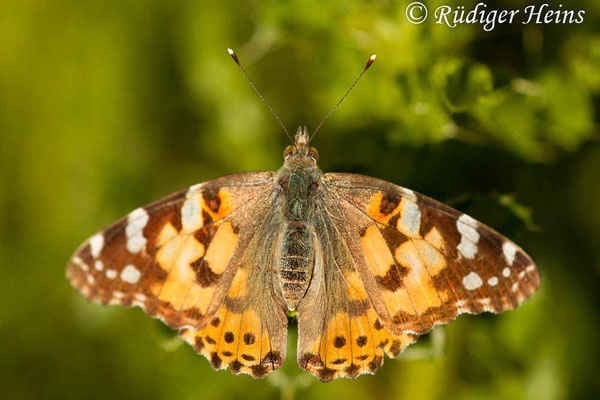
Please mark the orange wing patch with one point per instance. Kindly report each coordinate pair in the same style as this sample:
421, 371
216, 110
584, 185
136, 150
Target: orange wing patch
341, 336
238, 336
176, 258
239, 341
247, 332
405, 263
382, 208
406, 275
351, 346
194, 265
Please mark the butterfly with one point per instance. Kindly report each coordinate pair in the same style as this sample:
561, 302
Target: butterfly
365, 265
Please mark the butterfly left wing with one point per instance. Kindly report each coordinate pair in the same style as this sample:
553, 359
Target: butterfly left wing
193, 259
423, 263
339, 333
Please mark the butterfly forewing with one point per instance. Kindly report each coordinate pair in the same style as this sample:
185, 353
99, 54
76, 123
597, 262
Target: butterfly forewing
424, 263
190, 259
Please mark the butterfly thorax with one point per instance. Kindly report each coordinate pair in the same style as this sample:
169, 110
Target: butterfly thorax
297, 183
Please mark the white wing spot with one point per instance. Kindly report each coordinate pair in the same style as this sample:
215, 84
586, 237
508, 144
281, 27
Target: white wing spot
111, 273
409, 194
486, 302
140, 304
136, 243
194, 188
81, 264
515, 286
91, 279
509, 251
493, 281
191, 214
410, 220
99, 265
530, 268
118, 295
506, 272
96, 244
130, 274
139, 300
522, 274
469, 236
472, 281
460, 305
136, 222
140, 297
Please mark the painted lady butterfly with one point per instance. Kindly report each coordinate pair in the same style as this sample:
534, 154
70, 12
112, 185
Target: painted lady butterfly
366, 265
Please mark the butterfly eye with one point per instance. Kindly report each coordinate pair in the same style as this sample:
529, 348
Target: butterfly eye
313, 154
288, 152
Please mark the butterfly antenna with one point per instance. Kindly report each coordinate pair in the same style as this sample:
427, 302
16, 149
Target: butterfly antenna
369, 62
237, 61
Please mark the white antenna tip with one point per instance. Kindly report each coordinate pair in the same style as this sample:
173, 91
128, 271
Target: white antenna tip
234, 56
370, 61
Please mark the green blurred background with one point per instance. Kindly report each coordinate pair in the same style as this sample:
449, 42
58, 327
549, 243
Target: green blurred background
108, 105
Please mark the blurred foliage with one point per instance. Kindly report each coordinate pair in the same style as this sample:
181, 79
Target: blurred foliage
107, 105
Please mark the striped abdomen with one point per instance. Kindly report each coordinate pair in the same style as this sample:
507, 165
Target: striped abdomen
295, 263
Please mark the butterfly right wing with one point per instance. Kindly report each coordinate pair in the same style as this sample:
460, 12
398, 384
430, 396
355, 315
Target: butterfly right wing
424, 263
189, 260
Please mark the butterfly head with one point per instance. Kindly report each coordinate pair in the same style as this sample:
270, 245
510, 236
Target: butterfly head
301, 150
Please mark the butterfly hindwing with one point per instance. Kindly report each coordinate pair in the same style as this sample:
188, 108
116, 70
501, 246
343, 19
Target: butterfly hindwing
424, 263
248, 332
340, 334
186, 260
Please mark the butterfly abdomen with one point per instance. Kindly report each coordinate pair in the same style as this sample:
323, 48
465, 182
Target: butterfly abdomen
295, 263
297, 183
